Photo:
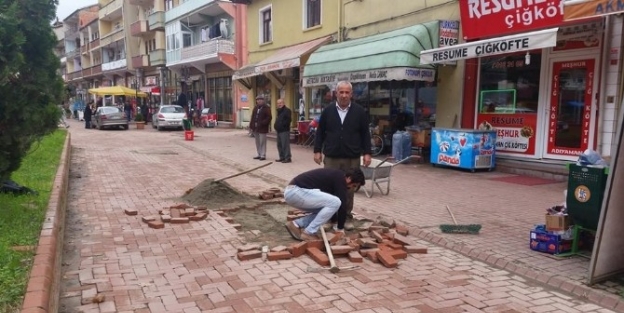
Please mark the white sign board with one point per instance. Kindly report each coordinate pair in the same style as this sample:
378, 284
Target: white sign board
395, 73
503, 45
449, 36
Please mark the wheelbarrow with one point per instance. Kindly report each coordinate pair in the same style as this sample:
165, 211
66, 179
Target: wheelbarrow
379, 172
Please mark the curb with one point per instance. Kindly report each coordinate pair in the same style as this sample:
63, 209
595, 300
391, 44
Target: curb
561, 283
42, 292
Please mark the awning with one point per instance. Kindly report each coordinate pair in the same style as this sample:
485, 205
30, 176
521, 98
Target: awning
514, 43
582, 9
282, 59
388, 56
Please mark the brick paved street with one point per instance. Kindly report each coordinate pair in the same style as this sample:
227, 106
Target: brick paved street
192, 267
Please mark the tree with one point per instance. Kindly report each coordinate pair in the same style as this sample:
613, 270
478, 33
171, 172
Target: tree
30, 87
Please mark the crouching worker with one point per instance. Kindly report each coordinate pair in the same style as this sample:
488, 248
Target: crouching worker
323, 193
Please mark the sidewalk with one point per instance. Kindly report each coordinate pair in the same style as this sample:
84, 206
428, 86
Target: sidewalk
192, 268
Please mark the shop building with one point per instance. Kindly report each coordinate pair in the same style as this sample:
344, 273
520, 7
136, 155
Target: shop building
379, 54
202, 41
288, 32
547, 86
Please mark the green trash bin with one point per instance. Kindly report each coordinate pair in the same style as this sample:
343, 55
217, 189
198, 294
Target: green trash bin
586, 186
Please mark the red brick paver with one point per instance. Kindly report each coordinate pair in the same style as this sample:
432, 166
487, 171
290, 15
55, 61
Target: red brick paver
193, 267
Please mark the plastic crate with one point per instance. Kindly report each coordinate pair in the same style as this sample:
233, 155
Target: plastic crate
586, 186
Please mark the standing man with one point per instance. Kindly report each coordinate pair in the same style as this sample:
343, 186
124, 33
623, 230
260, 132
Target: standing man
322, 192
343, 137
282, 127
87, 116
259, 125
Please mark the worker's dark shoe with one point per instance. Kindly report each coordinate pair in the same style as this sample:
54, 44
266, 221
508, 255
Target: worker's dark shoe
294, 231
287, 161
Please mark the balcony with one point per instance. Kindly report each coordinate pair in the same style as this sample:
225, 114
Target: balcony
74, 75
157, 57
207, 50
94, 44
86, 72
156, 20
72, 54
114, 65
111, 11
184, 8
84, 48
95, 70
140, 61
139, 28
115, 35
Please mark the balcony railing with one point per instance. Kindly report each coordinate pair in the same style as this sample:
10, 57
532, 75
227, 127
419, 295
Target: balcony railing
157, 20
72, 53
139, 27
110, 8
94, 44
84, 48
140, 61
114, 65
185, 8
113, 36
157, 57
86, 72
74, 75
208, 49
96, 69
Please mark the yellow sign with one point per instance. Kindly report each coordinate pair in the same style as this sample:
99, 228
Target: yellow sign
578, 9
582, 193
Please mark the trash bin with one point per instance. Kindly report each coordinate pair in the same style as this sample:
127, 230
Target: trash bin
586, 186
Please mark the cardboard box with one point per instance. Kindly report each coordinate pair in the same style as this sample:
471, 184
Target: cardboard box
548, 243
557, 222
421, 138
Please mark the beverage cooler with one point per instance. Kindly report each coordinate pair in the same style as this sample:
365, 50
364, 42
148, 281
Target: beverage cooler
469, 149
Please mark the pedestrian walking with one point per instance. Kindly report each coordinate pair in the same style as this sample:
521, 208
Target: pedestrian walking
282, 127
259, 124
87, 116
343, 137
323, 193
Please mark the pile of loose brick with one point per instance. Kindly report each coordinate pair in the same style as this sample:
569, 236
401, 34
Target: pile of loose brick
270, 194
175, 214
380, 242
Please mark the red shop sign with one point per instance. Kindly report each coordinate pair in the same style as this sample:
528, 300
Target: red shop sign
491, 18
515, 133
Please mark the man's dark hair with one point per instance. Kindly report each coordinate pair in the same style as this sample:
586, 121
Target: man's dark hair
356, 175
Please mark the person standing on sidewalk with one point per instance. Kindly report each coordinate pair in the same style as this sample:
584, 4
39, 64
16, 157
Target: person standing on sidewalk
322, 192
343, 137
282, 127
259, 124
87, 116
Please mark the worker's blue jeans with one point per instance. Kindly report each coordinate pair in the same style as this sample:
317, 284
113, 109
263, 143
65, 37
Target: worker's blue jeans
321, 205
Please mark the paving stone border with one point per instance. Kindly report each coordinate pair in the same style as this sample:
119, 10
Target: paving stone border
597, 296
42, 292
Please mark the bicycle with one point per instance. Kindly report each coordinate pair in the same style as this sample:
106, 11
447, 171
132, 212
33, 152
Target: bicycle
377, 143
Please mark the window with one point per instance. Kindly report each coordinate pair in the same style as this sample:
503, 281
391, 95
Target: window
266, 27
168, 5
187, 39
312, 13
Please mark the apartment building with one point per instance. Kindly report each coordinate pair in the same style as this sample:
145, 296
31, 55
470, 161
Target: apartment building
202, 40
148, 30
283, 34
59, 48
74, 44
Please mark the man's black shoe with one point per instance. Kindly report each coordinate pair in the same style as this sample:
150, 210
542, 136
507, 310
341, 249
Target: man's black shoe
287, 161
280, 160
262, 159
257, 158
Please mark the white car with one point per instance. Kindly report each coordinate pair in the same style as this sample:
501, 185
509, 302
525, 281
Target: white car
169, 116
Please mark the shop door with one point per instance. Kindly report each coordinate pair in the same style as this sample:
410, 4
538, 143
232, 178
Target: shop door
571, 117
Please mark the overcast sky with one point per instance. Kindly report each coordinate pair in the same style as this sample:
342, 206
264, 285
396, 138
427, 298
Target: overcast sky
67, 7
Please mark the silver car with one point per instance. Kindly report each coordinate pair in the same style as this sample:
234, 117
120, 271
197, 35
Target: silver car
168, 116
109, 117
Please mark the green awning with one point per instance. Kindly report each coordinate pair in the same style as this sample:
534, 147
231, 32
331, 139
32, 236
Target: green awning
394, 55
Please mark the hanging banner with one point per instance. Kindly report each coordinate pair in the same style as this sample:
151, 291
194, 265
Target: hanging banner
510, 44
491, 18
591, 8
394, 73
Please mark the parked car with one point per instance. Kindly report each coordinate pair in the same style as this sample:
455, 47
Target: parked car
168, 116
109, 116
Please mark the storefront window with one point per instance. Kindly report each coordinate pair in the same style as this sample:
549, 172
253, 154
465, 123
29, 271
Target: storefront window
508, 98
321, 98
263, 87
220, 97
